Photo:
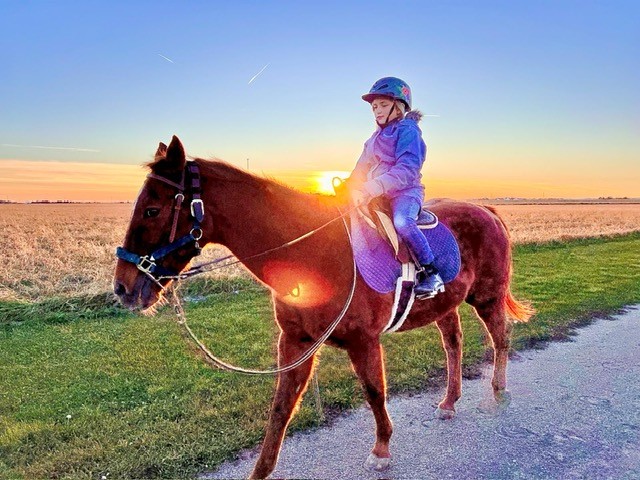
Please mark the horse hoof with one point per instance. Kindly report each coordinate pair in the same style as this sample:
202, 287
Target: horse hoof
494, 408
444, 414
376, 463
503, 398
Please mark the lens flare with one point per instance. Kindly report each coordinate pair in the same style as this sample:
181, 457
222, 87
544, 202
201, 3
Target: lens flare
297, 284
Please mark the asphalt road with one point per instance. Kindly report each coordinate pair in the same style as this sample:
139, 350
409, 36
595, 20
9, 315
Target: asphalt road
575, 413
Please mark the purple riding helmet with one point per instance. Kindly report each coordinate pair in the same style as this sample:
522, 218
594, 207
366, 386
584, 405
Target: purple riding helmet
390, 87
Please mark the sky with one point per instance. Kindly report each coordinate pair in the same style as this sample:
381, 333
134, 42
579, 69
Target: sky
525, 99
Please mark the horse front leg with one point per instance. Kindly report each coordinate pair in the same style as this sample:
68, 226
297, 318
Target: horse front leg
367, 360
451, 334
290, 388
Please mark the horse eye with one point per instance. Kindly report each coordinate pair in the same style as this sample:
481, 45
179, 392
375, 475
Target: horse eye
151, 212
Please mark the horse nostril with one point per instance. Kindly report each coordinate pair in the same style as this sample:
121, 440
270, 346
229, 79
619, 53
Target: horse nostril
119, 289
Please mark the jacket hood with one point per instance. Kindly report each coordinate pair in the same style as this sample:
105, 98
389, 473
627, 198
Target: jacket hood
411, 115
415, 115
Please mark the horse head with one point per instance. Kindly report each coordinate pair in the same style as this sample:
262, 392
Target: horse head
165, 230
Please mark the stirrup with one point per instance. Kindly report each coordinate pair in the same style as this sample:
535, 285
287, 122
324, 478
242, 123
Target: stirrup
430, 272
427, 296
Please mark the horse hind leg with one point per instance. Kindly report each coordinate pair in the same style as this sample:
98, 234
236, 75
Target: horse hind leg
368, 363
451, 334
493, 315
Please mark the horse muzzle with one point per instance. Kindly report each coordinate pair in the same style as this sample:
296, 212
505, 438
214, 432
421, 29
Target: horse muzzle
139, 294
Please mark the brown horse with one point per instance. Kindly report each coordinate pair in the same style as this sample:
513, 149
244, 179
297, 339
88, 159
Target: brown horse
311, 280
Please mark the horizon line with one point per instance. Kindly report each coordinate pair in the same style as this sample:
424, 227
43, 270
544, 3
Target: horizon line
630, 200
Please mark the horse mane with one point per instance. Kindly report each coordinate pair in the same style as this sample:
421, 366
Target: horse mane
225, 171
296, 199
282, 193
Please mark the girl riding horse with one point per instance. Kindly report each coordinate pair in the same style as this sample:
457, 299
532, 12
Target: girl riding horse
390, 167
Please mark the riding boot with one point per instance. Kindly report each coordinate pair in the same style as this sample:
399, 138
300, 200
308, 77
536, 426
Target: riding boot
429, 282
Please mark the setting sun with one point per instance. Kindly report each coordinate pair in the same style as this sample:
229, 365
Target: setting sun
323, 181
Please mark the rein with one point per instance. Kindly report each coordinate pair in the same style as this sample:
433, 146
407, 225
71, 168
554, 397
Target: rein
147, 264
182, 321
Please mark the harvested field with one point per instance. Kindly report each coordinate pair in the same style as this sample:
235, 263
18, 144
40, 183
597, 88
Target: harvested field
543, 223
58, 250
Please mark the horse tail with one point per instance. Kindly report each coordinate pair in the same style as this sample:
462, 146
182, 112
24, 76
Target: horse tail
519, 311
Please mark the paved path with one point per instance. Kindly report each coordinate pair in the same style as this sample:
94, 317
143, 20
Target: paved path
575, 413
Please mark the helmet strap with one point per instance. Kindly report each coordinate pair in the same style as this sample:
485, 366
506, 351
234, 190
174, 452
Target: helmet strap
393, 107
386, 122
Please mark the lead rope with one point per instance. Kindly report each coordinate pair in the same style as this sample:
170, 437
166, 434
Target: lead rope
182, 321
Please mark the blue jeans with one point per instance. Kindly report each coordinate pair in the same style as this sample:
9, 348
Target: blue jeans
405, 211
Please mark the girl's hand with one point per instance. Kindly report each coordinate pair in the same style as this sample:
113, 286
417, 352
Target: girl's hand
341, 189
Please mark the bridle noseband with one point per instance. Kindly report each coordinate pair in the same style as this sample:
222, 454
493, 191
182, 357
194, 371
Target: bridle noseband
148, 263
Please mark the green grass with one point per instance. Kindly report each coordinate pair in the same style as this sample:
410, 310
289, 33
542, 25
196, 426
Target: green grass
89, 390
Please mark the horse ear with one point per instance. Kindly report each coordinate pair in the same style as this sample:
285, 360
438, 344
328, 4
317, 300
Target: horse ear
162, 150
172, 160
175, 154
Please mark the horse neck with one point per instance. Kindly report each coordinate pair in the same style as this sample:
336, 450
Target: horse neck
251, 215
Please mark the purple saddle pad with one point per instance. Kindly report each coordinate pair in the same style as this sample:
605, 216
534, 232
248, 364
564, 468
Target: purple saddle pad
378, 264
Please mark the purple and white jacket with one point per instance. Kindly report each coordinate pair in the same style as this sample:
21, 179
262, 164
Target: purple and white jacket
391, 161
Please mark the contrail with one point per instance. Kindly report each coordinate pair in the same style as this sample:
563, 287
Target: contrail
166, 58
73, 149
256, 75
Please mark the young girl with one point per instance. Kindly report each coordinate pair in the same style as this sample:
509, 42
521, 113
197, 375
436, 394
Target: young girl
390, 165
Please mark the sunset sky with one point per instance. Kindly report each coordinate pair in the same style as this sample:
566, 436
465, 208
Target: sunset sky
527, 99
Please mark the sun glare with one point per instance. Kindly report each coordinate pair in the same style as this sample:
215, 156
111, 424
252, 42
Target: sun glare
297, 285
324, 180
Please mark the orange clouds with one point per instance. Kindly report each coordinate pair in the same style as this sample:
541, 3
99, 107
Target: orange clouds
28, 180
32, 180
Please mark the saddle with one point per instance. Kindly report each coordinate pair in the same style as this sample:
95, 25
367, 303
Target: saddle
385, 263
378, 215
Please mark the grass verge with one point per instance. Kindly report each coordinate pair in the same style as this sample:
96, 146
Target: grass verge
87, 392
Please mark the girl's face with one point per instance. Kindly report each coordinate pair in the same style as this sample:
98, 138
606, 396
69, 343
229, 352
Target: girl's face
381, 107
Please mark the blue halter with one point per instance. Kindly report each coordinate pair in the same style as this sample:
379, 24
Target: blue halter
147, 263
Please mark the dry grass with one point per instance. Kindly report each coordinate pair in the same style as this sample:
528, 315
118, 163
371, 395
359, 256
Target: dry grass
57, 250
542, 223
60, 250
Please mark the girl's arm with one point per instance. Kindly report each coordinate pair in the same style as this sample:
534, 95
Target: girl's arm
410, 155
